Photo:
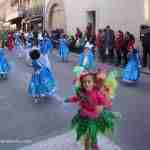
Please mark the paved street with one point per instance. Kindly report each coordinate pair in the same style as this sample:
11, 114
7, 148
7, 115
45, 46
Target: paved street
21, 119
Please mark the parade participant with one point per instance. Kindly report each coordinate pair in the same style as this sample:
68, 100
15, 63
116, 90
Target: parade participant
46, 49
42, 83
40, 39
18, 44
10, 42
4, 66
94, 116
28, 47
131, 72
86, 59
63, 48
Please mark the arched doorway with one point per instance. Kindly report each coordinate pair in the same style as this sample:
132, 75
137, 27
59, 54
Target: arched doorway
56, 15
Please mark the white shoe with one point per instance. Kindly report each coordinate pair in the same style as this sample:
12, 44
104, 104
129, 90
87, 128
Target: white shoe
36, 100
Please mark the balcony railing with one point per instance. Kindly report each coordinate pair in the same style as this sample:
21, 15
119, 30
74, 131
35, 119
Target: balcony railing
34, 10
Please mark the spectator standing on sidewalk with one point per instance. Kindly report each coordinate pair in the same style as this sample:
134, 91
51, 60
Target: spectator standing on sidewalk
125, 48
78, 33
109, 40
99, 42
146, 48
119, 43
89, 31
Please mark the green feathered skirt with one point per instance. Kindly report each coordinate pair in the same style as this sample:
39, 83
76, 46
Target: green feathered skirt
90, 128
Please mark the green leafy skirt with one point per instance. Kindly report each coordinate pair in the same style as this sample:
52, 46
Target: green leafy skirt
90, 128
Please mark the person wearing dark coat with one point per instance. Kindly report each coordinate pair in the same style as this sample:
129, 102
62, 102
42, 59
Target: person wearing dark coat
109, 41
146, 48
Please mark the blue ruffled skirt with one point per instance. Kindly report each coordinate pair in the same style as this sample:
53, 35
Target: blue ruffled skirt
131, 72
4, 66
42, 83
64, 52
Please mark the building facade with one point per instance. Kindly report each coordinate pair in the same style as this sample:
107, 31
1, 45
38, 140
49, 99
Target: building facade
125, 15
23, 14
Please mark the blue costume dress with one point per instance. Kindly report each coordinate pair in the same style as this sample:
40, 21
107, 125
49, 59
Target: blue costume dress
29, 41
42, 83
18, 44
29, 45
87, 60
4, 66
131, 71
46, 47
63, 49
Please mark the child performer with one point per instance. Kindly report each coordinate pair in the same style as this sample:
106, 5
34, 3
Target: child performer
63, 48
18, 44
4, 66
42, 83
46, 47
86, 59
93, 116
131, 72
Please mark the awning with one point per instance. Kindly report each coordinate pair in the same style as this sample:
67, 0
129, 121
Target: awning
33, 19
16, 20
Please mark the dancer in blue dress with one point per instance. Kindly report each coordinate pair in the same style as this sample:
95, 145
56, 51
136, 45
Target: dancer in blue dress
131, 72
42, 83
63, 48
18, 44
86, 59
4, 66
28, 47
46, 47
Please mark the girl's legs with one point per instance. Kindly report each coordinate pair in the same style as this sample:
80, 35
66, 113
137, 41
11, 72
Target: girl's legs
87, 143
95, 146
3, 76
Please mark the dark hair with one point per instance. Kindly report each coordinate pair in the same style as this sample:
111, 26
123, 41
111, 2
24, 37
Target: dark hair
34, 54
100, 30
93, 75
107, 27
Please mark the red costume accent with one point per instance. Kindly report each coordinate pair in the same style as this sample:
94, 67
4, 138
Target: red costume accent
88, 106
10, 42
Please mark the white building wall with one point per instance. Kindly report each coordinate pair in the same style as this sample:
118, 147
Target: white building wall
121, 14
126, 15
76, 13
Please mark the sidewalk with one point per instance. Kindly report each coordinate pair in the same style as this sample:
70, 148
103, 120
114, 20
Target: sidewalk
74, 57
67, 142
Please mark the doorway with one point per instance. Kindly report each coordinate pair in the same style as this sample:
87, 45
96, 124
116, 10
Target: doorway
91, 18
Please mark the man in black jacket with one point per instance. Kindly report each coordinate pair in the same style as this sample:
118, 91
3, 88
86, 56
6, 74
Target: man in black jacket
146, 48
